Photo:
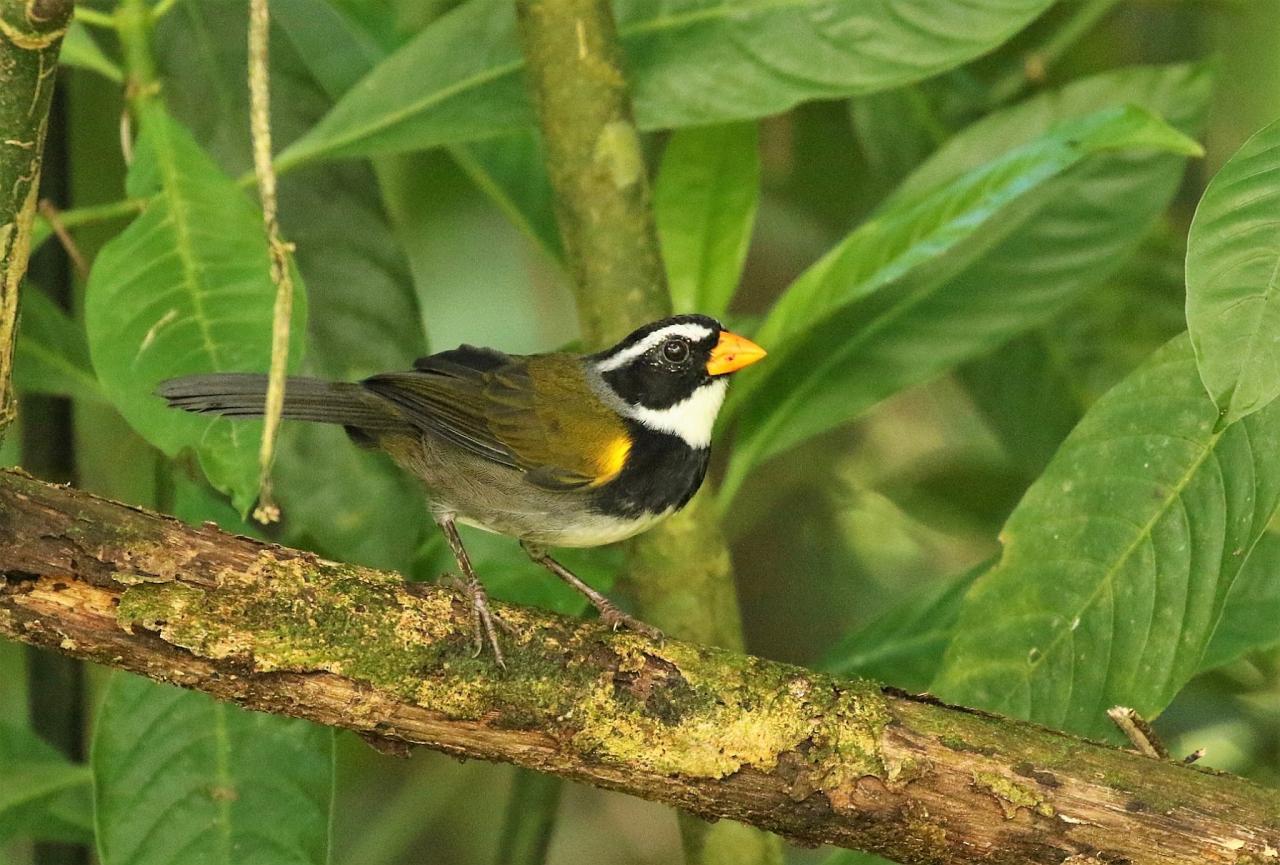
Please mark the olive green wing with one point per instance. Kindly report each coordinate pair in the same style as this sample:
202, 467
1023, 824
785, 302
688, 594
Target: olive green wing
536, 415
562, 433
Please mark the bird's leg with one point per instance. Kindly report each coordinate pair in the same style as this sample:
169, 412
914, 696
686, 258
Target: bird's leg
482, 620
609, 614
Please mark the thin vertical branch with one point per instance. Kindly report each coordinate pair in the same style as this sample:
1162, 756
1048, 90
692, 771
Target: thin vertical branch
680, 573
596, 165
260, 125
30, 36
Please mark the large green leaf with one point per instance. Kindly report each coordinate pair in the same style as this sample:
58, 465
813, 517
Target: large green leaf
1034, 389
180, 777
904, 646
1233, 279
912, 292
52, 356
1118, 560
704, 201
43, 795
363, 313
185, 288
1179, 93
1251, 617
690, 62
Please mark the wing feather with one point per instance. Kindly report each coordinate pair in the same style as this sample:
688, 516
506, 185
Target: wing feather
534, 414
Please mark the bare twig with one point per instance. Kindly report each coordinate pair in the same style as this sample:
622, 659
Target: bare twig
720, 734
260, 122
53, 216
1138, 732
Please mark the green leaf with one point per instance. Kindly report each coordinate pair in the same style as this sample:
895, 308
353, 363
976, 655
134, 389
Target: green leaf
185, 288
897, 301
363, 316
80, 50
508, 169
1118, 560
1233, 279
178, 776
896, 131
1251, 617
853, 857
705, 200
1034, 389
904, 645
512, 172
689, 62
52, 356
1179, 93
43, 795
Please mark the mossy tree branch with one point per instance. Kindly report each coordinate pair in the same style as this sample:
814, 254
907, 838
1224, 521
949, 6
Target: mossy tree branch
720, 734
30, 36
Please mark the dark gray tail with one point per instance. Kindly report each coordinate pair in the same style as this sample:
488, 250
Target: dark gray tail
244, 395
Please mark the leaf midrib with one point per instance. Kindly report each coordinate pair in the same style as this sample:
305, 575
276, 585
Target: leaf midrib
71, 370
758, 441
65, 777
1142, 535
224, 781
169, 189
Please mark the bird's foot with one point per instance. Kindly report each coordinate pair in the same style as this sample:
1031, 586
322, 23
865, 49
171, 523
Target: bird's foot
484, 622
615, 619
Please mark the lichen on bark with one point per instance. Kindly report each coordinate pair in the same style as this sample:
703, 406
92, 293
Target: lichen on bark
673, 708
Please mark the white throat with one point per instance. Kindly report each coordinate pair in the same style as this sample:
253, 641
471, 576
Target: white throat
692, 418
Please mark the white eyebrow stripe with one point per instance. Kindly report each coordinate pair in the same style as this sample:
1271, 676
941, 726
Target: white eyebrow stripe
691, 419
692, 332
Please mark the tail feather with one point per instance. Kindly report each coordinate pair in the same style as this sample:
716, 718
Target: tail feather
244, 395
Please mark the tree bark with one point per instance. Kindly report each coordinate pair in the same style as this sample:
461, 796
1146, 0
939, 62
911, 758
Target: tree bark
30, 36
723, 735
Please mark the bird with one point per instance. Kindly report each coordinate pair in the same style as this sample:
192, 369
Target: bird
555, 449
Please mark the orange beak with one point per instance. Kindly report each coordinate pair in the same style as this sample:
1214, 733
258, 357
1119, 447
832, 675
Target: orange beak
732, 353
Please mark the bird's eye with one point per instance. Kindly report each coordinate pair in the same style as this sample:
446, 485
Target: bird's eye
675, 350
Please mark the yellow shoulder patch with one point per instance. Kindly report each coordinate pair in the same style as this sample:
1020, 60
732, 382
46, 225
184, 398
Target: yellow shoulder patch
611, 460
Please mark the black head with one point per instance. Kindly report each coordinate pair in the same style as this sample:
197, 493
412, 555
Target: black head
662, 363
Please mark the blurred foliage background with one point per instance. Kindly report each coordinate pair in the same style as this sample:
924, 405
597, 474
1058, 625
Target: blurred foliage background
852, 543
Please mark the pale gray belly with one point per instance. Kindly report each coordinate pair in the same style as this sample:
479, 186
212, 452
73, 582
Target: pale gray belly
498, 499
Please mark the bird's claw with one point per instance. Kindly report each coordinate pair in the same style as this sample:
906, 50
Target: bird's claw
483, 620
615, 619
